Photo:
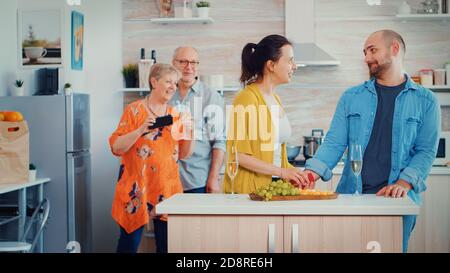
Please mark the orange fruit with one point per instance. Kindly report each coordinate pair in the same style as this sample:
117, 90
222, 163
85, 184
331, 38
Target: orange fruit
13, 116
2, 116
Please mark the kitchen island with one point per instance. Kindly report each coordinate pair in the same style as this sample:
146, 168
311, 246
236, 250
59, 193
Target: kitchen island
218, 223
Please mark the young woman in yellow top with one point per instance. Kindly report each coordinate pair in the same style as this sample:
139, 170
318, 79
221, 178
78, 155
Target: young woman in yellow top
149, 171
259, 128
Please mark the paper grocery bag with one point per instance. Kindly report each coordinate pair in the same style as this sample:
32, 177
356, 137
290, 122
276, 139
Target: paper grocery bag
14, 152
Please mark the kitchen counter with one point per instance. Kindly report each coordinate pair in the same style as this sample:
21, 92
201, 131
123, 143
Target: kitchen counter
345, 204
217, 223
4, 188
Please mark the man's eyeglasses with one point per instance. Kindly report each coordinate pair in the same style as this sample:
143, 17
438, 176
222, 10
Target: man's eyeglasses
186, 62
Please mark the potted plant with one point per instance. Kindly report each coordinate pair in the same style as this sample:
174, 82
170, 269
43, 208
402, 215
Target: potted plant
130, 75
18, 88
32, 172
67, 89
203, 9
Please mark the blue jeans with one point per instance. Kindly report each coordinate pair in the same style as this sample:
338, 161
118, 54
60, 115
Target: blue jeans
197, 190
129, 242
409, 221
160, 235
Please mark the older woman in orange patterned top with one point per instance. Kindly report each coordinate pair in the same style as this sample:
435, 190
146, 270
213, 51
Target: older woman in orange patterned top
149, 170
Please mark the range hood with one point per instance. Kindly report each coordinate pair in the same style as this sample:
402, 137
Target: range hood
300, 30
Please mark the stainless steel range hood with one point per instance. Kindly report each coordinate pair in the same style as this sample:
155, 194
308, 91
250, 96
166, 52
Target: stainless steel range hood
309, 54
300, 30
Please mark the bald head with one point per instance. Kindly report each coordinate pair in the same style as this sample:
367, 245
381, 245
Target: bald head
389, 37
184, 50
384, 51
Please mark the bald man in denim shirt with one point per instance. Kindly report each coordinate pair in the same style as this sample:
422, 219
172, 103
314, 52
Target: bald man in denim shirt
397, 123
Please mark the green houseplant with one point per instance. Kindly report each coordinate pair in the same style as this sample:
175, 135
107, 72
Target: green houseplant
32, 172
18, 83
67, 89
18, 89
202, 4
130, 75
202, 9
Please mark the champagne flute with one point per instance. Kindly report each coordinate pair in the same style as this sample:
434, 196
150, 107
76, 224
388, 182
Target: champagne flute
356, 161
232, 167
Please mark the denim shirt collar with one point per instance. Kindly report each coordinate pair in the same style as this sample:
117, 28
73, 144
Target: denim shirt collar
410, 84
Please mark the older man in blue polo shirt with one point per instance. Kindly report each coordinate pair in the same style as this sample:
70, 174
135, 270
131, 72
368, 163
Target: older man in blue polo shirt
200, 172
397, 123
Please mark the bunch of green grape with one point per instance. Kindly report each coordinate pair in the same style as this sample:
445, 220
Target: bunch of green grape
279, 187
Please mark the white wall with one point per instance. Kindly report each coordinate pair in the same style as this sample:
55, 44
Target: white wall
100, 77
9, 41
103, 63
10, 69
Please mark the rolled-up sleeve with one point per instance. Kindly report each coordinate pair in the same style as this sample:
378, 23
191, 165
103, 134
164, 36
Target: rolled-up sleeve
412, 176
319, 168
425, 147
220, 144
126, 125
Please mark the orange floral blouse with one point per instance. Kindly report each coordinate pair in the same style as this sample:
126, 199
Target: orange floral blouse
149, 169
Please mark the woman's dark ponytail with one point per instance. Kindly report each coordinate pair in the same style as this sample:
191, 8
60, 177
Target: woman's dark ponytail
247, 62
255, 56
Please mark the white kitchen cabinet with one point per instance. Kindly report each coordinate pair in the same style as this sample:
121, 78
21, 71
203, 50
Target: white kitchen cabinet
225, 233
337, 234
276, 234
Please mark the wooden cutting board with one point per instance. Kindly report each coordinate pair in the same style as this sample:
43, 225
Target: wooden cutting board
255, 197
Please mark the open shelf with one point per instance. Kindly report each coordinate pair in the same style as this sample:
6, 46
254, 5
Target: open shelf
146, 90
225, 89
193, 20
441, 88
355, 18
230, 89
402, 17
134, 90
441, 16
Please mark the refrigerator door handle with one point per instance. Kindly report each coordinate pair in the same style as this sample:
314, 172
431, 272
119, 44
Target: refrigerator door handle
69, 123
71, 197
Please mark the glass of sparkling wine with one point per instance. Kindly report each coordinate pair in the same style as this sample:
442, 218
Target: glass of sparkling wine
356, 161
232, 167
